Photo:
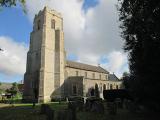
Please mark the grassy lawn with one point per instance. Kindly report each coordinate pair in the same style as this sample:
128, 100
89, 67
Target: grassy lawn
26, 112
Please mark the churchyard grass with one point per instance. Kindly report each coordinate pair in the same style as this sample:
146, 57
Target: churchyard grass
26, 112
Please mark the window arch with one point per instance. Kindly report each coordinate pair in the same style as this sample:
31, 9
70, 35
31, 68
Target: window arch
85, 74
38, 25
104, 87
93, 75
53, 24
111, 86
117, 87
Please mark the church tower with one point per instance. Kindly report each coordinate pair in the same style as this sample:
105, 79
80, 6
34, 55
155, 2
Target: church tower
44, 77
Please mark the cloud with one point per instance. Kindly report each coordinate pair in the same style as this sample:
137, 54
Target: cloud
13, 58
116, 62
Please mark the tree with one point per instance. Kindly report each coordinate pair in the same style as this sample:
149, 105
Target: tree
141, 32
126, 80
14, 89
11, 3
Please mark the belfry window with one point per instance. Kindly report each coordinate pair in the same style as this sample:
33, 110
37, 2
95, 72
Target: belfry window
53, 24
38, 24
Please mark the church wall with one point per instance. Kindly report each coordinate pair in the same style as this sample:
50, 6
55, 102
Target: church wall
89, 82
73, 72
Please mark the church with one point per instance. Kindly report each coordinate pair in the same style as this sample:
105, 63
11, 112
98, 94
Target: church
49, 75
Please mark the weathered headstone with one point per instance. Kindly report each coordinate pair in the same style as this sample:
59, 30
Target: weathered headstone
112, 108
97, 107
66, 115
50, 114
119, 103
46, 109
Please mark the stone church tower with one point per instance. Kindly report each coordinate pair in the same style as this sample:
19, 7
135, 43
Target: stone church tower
44, 75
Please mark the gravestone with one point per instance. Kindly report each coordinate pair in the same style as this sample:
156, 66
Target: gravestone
49, 113
46, 109
97, 107
66, 115
112, 108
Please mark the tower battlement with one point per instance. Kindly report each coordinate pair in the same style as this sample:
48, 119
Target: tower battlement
51, 11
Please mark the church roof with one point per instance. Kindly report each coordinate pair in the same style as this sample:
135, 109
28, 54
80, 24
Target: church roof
113, 77
87, 67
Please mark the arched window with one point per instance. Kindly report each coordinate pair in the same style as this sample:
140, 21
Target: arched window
76, 73
117, 87
93, 75
85, 74
111, 86
100, 76
108, 86
104, 87
53, 24
106, 77
96, 90
100, 86
38, 24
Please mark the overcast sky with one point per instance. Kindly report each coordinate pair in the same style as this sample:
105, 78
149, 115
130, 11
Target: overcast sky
91, 30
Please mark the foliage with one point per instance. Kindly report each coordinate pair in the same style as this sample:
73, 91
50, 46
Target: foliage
126, 80
11, 3
14, 89
141, 32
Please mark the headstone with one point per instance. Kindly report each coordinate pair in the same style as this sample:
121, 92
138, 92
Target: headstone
112, 108
66, 115
49, 113
119, 103
97, 107
44, 108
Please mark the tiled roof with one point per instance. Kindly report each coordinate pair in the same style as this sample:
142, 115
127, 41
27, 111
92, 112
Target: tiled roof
87, 67
113, 77
5, 86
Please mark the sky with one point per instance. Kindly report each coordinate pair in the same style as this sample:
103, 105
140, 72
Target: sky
91, 30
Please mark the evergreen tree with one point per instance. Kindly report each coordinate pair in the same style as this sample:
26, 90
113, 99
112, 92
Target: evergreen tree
126, 80
141, 32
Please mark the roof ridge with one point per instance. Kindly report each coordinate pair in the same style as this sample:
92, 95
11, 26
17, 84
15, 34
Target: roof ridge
84, 66
82, 63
